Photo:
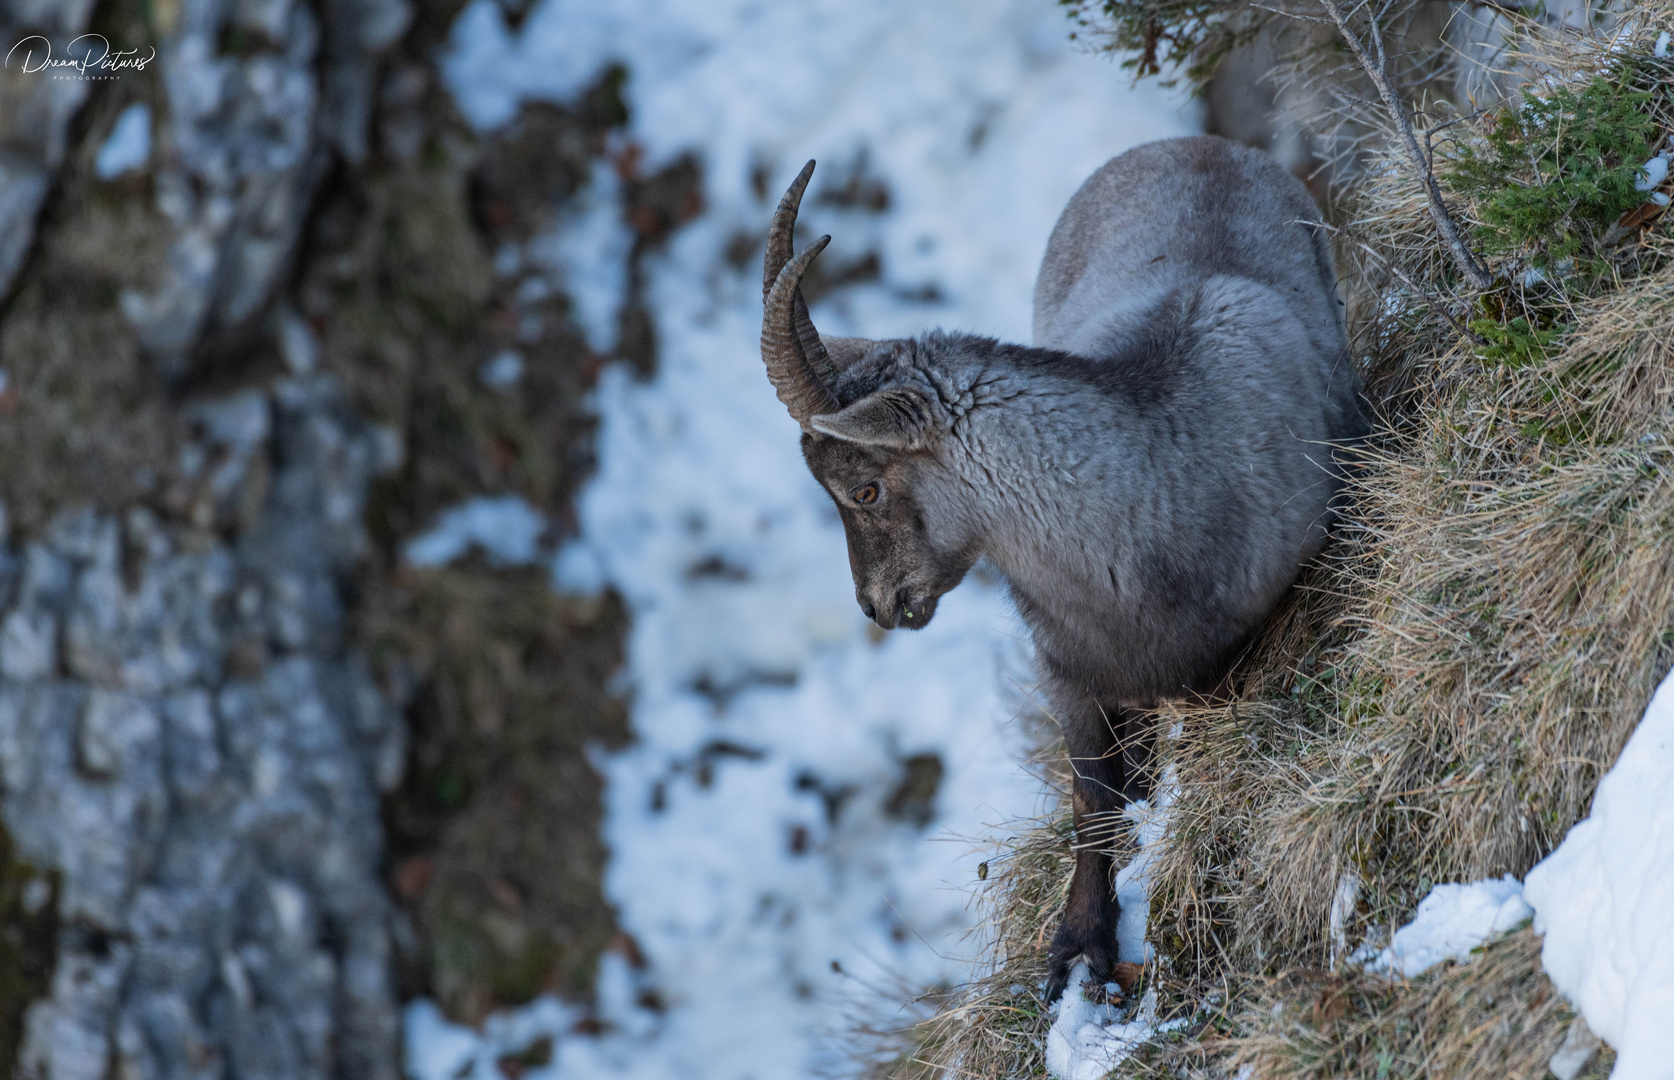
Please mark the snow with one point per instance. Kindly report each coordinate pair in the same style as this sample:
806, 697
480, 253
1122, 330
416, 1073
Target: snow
578, 570
503, 371
755, 856
587, 254
1342, 909
297, 344
128, 146
1604, 904
505, 527
1088, 1039
436, 1048
1579, 1047
1451, 921
1652, 173
1661, 49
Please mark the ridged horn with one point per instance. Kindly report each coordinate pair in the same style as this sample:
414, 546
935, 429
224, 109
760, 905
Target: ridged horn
791, 347
779, 247
822, 358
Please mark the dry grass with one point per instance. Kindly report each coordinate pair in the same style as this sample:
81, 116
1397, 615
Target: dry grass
1496, 1016
997, 1025
1436, 702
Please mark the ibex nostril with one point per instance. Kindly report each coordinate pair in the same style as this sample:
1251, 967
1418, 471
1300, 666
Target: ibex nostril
871, 612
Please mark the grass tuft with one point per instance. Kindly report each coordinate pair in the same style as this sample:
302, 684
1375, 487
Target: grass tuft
1550, 176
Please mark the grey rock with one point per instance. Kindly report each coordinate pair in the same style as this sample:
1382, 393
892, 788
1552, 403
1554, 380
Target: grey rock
35, 114
185, 736
203, 767
360, 29
116, 729
265, 17
23, 185
66, 1036
243, 143
28, 645
48, 16
248, 139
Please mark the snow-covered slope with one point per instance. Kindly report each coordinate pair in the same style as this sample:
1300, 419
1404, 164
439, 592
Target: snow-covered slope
775, 847
1451, 921
1605, 900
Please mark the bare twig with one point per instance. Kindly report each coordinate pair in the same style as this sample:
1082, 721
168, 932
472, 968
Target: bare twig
1431, 298
1431, 132
1376, 70
1291, 14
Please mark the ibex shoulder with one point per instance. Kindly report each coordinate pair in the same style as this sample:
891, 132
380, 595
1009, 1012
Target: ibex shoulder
1175, 212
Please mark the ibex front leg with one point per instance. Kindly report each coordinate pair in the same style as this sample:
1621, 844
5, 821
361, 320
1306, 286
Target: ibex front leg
1109, 752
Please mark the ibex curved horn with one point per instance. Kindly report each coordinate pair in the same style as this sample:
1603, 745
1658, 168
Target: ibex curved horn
797, 361
779, 248
789, 349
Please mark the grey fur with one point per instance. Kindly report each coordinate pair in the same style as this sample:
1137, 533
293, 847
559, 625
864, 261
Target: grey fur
1149, 478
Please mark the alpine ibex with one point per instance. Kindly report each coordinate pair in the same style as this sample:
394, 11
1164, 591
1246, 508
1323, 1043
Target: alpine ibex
1149, 477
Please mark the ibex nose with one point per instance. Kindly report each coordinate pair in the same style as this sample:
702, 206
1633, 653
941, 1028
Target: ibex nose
885, 617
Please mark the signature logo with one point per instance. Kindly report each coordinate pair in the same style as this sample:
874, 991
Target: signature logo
89, 56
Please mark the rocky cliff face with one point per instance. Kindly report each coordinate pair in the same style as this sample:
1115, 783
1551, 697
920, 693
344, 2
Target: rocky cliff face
191, 752
185, 741
249, 291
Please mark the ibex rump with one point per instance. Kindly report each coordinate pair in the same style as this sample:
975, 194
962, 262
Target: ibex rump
1149, 477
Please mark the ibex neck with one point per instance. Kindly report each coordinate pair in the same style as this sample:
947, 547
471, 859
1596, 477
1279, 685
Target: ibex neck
1056, 445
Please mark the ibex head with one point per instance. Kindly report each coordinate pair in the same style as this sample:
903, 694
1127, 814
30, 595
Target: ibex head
872, 427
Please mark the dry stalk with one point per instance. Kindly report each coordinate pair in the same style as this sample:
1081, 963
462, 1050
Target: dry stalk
1430, 298
1377, 70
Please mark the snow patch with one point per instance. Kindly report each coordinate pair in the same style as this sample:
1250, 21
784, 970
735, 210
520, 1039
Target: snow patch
1343, 902
1603, 901
1579, 1047
1451, 921
586, 251
1088, 1040
298, 346
577, 570
128, 146
505, 527
503, 371
436, 1048
1652, 173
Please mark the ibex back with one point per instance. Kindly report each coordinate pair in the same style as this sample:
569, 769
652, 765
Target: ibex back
1149, 477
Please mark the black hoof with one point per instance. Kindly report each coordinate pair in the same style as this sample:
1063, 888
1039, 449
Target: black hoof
1057, 981
1094, 940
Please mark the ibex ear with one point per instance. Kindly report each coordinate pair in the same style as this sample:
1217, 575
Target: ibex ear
897, 419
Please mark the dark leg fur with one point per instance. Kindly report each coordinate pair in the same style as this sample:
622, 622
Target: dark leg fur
1111, 756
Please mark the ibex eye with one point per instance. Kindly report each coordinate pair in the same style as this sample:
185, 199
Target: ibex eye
865, 496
